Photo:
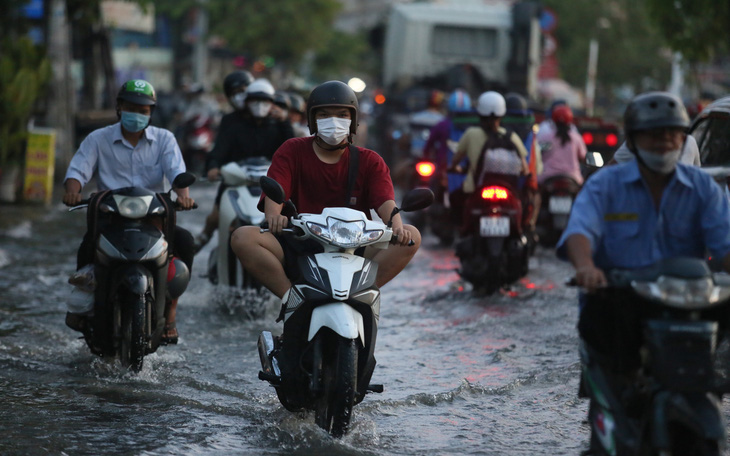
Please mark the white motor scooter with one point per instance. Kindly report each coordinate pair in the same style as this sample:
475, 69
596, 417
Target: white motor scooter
237, 208
325, 357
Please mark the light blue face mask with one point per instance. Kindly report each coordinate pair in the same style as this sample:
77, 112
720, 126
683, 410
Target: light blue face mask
134, 122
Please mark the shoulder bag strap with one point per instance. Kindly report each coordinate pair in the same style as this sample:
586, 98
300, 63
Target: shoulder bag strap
352, 173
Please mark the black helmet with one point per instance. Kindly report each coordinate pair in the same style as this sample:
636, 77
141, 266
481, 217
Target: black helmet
235, 80
139, 92
282, 100
332, 93
655, 110
516, 105
296, 102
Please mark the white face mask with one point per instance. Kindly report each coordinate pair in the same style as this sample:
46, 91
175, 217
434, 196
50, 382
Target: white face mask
333, 130
239, 100
660, 163
259, 108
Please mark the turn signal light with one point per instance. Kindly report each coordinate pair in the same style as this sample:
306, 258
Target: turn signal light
494, 193
425, 169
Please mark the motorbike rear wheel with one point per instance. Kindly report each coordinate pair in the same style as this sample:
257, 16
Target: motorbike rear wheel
333, 408
686, 442
132, 345
492, 279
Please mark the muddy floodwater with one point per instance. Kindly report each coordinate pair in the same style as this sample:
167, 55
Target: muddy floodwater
463, 375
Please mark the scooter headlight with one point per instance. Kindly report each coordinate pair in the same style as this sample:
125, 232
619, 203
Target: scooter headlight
133, 207
345, 234
683, 293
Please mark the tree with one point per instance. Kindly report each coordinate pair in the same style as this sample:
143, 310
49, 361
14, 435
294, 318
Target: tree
283, 29
24, 71
631, 51
699, 29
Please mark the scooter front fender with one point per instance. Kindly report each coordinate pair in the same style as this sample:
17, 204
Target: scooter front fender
136, 279
340, 318
700, 412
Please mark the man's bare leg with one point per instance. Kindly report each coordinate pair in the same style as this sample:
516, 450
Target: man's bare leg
395, 258
261, 256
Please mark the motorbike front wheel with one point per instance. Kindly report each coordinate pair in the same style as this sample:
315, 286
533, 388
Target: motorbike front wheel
333, 408
131, 317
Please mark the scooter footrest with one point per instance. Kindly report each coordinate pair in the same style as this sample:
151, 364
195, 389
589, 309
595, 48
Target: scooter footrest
375, 388
271, 378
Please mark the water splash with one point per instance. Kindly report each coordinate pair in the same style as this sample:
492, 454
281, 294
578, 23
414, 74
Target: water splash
23, 230
249, 303
5, 258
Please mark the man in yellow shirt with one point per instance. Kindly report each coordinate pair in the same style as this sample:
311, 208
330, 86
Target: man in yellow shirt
506, 155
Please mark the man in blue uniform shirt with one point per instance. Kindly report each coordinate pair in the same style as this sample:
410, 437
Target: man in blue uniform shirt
636, 213
633, 214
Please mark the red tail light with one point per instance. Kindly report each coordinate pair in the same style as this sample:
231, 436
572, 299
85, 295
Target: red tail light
425, 169
494, 193
588, 138
611, 140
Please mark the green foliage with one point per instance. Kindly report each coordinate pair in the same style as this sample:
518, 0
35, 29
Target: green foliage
83, 13
24, 71
283, 29
630, 50
346, 55
699, 29
11, 19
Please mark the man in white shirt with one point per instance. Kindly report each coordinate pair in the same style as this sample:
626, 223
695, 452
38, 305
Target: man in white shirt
130, 153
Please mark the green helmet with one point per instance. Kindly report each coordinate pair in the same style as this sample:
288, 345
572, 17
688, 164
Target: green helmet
139, 92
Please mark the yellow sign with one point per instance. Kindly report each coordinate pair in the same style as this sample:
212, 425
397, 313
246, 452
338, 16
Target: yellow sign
40, 157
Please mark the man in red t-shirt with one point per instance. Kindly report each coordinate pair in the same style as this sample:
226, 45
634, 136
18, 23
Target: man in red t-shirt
314, 174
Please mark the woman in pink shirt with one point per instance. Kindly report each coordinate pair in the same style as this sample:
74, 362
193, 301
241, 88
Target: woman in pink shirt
563, 149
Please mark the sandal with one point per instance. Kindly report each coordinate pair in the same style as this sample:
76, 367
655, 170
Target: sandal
77, 322
169, 334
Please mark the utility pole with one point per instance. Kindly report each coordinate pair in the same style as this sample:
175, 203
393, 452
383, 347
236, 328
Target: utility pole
591, 81
200, 50
61, 110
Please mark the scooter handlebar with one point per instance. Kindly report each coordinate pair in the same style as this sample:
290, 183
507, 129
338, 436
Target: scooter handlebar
180, 208
394, 240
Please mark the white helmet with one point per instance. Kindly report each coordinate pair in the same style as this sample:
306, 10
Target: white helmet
260, 89
491, 104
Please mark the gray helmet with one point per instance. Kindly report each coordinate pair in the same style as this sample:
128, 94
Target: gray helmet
655, 110
332, 93
296, 102
282, 100
516, 105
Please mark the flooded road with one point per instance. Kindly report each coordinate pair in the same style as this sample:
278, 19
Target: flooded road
462, 375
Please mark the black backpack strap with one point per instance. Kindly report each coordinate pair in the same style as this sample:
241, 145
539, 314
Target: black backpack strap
352, 174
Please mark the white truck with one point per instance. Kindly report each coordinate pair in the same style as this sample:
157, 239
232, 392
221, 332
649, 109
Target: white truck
424, 42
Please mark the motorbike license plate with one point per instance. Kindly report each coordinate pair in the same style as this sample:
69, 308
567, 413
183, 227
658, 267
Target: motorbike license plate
560, 204
494, 226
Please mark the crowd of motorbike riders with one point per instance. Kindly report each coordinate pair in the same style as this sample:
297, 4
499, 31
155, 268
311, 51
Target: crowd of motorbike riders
651, 205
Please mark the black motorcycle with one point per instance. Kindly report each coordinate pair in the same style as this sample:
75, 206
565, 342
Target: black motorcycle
438, 216
135, 272
665, 398
493, 249
558, 194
